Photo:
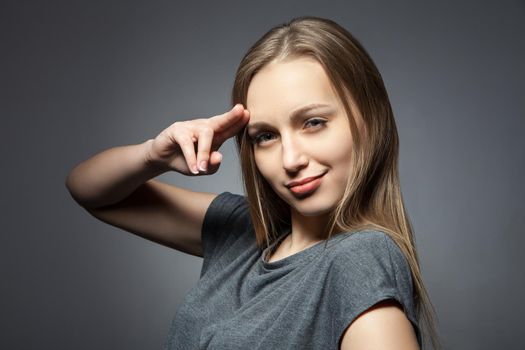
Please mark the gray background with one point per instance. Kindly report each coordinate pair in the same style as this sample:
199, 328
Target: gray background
78, 77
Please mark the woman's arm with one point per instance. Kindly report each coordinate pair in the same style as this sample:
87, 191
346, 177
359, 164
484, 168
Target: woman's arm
115, 186
381, 327
110, 176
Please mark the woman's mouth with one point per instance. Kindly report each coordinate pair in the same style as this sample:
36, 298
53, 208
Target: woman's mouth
307, 187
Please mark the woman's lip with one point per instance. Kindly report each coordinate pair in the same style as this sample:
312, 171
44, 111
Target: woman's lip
308, 186
303, 181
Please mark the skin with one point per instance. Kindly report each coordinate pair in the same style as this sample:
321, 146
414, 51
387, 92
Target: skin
286, 150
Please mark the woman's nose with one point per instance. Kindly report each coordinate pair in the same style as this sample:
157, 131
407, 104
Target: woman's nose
294, 157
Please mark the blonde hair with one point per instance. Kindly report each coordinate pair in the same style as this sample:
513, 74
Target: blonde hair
372, 198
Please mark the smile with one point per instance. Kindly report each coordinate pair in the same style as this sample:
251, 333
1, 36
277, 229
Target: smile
307, 187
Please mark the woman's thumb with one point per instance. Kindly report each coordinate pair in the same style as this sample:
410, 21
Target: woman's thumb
215, 162
217, 156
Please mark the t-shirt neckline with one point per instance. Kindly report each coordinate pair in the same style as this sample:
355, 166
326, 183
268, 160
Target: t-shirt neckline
294, 259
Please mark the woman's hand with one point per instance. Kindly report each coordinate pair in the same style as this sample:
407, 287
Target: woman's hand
174, 148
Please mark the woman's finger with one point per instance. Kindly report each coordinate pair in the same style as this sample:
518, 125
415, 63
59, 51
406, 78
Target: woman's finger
223, 123
185, 141
205, 139
215, 162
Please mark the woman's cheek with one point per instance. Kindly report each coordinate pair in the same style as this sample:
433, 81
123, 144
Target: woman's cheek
264, 165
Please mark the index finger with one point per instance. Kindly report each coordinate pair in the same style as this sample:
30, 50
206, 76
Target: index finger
226, 123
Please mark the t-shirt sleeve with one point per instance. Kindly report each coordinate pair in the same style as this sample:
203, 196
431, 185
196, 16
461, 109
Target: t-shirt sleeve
370, 268
226, 218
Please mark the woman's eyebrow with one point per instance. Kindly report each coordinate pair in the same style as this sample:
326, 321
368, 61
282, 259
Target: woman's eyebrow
295, 114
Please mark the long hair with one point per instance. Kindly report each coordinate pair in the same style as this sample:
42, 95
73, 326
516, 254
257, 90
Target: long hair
372, 198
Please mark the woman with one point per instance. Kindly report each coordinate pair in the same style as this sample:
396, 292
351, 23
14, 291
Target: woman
320, 253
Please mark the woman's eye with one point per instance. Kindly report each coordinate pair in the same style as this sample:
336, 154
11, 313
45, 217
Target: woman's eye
260, 137
316, 121
266, 136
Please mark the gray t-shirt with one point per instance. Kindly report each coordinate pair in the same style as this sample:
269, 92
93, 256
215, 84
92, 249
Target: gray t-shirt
304, 301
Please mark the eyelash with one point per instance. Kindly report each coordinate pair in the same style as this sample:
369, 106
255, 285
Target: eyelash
256, 138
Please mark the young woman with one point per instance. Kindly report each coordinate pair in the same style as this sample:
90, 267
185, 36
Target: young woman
319, 253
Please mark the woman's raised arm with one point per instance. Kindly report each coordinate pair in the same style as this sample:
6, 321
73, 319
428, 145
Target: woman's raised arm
117, 187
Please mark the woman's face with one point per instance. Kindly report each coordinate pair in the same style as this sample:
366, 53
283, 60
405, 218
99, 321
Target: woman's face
314, 142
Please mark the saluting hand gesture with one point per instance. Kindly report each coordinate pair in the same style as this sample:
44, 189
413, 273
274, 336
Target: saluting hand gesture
174, 148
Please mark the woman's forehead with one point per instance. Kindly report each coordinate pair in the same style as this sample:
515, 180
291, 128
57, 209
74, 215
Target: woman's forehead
286, 86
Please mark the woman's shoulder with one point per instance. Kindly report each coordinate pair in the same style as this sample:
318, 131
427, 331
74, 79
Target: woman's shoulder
227, 197
368, 245
363, 239
371, 256
226, 204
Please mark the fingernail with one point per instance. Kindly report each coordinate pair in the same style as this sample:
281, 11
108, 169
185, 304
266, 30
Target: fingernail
194, 169
203, 165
